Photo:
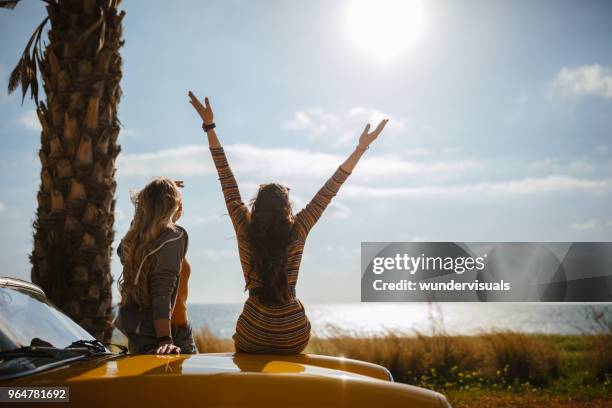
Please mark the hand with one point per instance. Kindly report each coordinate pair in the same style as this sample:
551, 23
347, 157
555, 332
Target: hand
168, 348
368, 137
205, 111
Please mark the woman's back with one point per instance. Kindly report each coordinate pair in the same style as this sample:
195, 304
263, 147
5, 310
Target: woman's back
263, 327
280, 326
303, 221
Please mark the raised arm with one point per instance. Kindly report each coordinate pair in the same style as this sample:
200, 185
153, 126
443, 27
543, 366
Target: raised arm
206, 113
307, 218
235, 207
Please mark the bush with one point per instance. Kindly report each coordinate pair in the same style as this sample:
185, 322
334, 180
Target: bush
602, 356
600, 321
525, 358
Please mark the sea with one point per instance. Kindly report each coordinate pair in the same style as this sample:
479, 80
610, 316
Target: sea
368, 319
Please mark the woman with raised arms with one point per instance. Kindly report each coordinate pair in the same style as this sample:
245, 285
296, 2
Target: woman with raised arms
270, 243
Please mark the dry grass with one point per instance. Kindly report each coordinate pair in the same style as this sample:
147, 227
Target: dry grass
497, 369
440, 359
600, 319
407, 357
602, 355
468, 399
488, 370
525, 358
443, 359
207, 342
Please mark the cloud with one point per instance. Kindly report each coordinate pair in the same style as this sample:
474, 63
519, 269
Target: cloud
339, 129
120, 215
181, 161
283, 164
341, 251
338, 210
216, 254
253, 165
414, 238
314, 121
583, 164
584, 80
393, 165
129, 133
591, 224
550, 184
2, 207
30, 121
200, 219
548, 164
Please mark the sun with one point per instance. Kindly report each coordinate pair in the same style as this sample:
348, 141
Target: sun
385, 29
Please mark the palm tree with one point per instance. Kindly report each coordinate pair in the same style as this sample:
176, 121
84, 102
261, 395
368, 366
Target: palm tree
80, 67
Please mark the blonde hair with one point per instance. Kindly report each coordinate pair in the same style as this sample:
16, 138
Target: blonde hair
156, 205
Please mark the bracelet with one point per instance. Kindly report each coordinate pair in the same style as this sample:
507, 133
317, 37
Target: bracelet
164, 339
362, 149
208, 127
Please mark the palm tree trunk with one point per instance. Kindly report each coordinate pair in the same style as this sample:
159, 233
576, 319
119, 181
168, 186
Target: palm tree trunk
73, 230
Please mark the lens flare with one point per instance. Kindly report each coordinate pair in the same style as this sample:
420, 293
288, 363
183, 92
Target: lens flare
385, 29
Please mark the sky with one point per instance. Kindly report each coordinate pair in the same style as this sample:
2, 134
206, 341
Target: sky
500, 124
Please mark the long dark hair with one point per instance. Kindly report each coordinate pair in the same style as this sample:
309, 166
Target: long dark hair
269, 232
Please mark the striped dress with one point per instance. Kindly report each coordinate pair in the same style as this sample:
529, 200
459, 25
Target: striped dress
266, 329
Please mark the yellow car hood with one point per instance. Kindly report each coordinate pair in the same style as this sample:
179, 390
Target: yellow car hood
224, 363
228, 379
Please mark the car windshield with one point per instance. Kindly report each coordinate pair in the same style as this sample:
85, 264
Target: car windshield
26, 315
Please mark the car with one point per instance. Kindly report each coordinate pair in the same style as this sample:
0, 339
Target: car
42, 347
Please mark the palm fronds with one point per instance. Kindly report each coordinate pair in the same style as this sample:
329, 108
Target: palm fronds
8, 4
100, 23
26, 70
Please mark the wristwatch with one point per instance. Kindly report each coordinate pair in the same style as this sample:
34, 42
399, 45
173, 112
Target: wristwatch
208, 127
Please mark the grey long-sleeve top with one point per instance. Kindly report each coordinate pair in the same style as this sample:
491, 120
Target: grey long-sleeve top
170, 249
163, 280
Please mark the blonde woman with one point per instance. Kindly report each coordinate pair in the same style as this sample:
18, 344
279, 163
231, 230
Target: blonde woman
153, 285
